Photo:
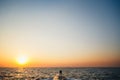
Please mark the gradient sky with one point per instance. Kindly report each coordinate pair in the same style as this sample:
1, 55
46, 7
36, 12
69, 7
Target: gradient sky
60, 32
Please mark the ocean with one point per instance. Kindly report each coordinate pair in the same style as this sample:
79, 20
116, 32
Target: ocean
82, 73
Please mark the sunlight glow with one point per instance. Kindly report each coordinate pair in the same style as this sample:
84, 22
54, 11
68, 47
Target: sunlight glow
22, 60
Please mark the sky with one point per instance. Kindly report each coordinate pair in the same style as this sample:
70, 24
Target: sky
60, 33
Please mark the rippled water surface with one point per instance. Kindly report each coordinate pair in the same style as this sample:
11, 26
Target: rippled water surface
69, 73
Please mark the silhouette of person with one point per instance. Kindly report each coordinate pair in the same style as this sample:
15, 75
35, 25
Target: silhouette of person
59, 76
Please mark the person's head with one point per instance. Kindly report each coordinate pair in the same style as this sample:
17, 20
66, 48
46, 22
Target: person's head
60, 71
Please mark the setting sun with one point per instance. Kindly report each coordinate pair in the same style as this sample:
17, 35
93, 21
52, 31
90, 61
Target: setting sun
22, 60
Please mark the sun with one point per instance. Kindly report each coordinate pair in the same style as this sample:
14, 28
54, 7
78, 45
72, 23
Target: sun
22, 60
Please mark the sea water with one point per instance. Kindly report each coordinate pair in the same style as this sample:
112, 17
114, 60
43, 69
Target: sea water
70, 73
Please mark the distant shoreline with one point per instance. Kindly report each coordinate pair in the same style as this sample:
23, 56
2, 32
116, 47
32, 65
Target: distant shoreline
61, 67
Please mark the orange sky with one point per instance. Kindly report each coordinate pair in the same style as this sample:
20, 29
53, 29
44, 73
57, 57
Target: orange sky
9, 60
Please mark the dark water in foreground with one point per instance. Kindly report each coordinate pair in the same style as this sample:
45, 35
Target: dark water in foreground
69, 73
